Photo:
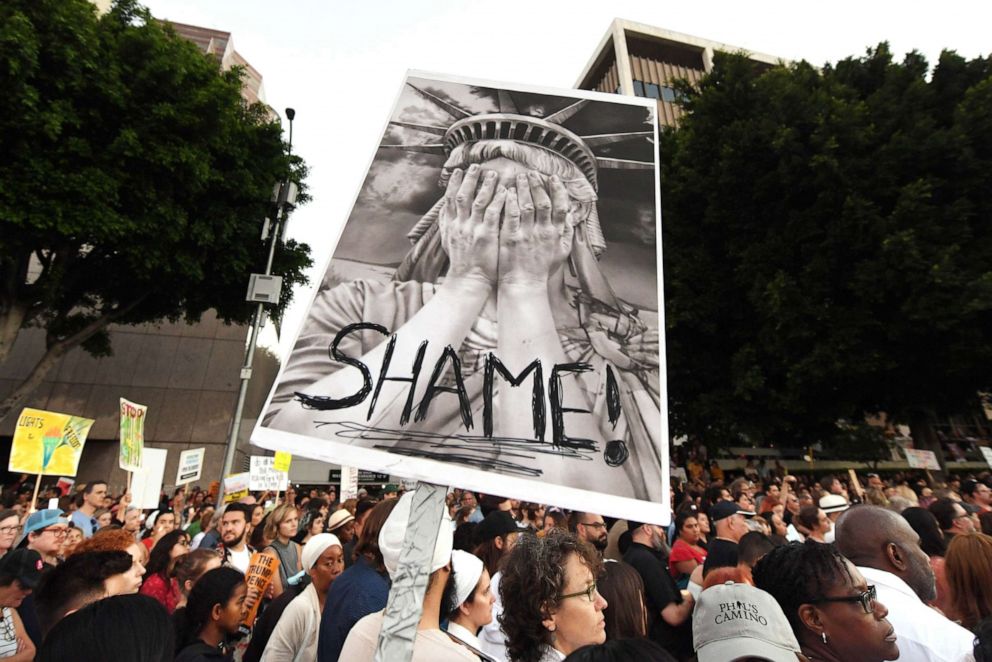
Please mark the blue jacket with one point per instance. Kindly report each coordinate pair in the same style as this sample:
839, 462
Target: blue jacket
357, 592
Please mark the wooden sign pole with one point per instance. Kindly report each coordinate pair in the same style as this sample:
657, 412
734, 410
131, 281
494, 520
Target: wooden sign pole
34, 498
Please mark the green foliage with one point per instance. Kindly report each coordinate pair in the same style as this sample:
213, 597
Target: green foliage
133, 172
828, 245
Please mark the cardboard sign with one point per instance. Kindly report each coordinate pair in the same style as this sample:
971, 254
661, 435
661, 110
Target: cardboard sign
146, 485
349, 483
282, 461
65, 485
987, 453
132, 434
263, 475
261, 569
405, 361
48, 443
190, 466
235, 487
920, 459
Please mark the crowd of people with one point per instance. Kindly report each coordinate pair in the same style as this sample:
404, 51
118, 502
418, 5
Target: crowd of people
780, 568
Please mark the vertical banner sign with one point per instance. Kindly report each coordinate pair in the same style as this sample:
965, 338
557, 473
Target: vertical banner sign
417, 355
261, 569
282, 461
146, 486
263, 475
132, 434
349, 483
235, 487
48, 443
190, 466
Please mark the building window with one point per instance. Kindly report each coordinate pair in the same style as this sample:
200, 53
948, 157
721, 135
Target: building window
668, 94
652, 90
638, 88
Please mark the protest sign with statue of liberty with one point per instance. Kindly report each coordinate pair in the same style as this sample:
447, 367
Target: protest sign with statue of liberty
493, 305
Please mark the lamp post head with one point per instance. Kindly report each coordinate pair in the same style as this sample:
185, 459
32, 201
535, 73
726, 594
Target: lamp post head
290, 114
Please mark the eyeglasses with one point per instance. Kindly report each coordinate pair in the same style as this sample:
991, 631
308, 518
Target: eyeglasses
594, 525
9, 529
867, 599
58, 533
590, 593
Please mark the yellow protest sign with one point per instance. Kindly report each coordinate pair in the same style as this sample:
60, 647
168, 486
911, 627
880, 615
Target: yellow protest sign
48, 443
282, 461
235, 487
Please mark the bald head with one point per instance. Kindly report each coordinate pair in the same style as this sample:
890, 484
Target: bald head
874, 537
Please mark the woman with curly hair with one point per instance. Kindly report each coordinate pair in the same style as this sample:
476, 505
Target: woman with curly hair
550, 603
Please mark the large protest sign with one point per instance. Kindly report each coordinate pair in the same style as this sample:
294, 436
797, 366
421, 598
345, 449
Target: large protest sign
262, 475
261, 569
490, 316
47, 443
146, 485
132, 434
987, 454
190, 466
235, 487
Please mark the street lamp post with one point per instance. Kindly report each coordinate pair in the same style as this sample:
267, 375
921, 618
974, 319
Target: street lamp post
262, 288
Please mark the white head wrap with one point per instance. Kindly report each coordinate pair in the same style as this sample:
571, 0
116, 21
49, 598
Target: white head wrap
468, 569
393, 532
317, 546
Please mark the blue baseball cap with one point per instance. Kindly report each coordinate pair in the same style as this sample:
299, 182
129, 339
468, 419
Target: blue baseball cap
42, 519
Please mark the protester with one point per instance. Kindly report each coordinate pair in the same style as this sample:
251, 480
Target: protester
472, 605
621, 650
623, 589
554, 519
668, 609
159, 582
93, 497
233, 530
887, 553
834, 613
816, 524
295, 635
117, 540
103, 518
362, 510
131, 628
550, 603
83, 578
753, 546
735, 621
730, 523
280, 529
934, 546
44, 532
589, 528
311, 524
360, 590
10, 527
188, 569
969, 579
200, 521
209, 538
952, 517
342, 524
205, 627
977, 496
686, 553
983, 641
430, 643
157, 525
20, 572
73, 536
131, 521
496, 534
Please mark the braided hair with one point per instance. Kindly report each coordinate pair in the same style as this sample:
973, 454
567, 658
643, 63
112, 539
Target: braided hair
800, 573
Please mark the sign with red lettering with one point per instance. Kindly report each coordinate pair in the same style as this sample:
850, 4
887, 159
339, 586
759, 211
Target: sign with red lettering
491, 314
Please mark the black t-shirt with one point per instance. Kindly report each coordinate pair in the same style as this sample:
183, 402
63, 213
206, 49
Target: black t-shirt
720, 553
659, 592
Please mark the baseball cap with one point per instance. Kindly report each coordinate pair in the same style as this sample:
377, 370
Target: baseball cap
731, 621
24, 565
391, 487
393, 532
724, 509
42, 519
833, 503
497, 523
338, 519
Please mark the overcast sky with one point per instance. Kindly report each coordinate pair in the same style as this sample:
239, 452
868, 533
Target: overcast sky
340, 64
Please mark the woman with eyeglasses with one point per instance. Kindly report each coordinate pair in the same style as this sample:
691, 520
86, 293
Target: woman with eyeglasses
550, 603
833, 612
159, 582
10, 526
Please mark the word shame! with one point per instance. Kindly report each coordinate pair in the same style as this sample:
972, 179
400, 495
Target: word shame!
494, 368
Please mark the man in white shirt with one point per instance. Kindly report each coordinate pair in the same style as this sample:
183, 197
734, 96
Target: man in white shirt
887, 552
233, 531
472, 606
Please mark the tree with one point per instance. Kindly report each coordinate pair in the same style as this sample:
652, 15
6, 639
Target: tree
828, 245
133, 183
